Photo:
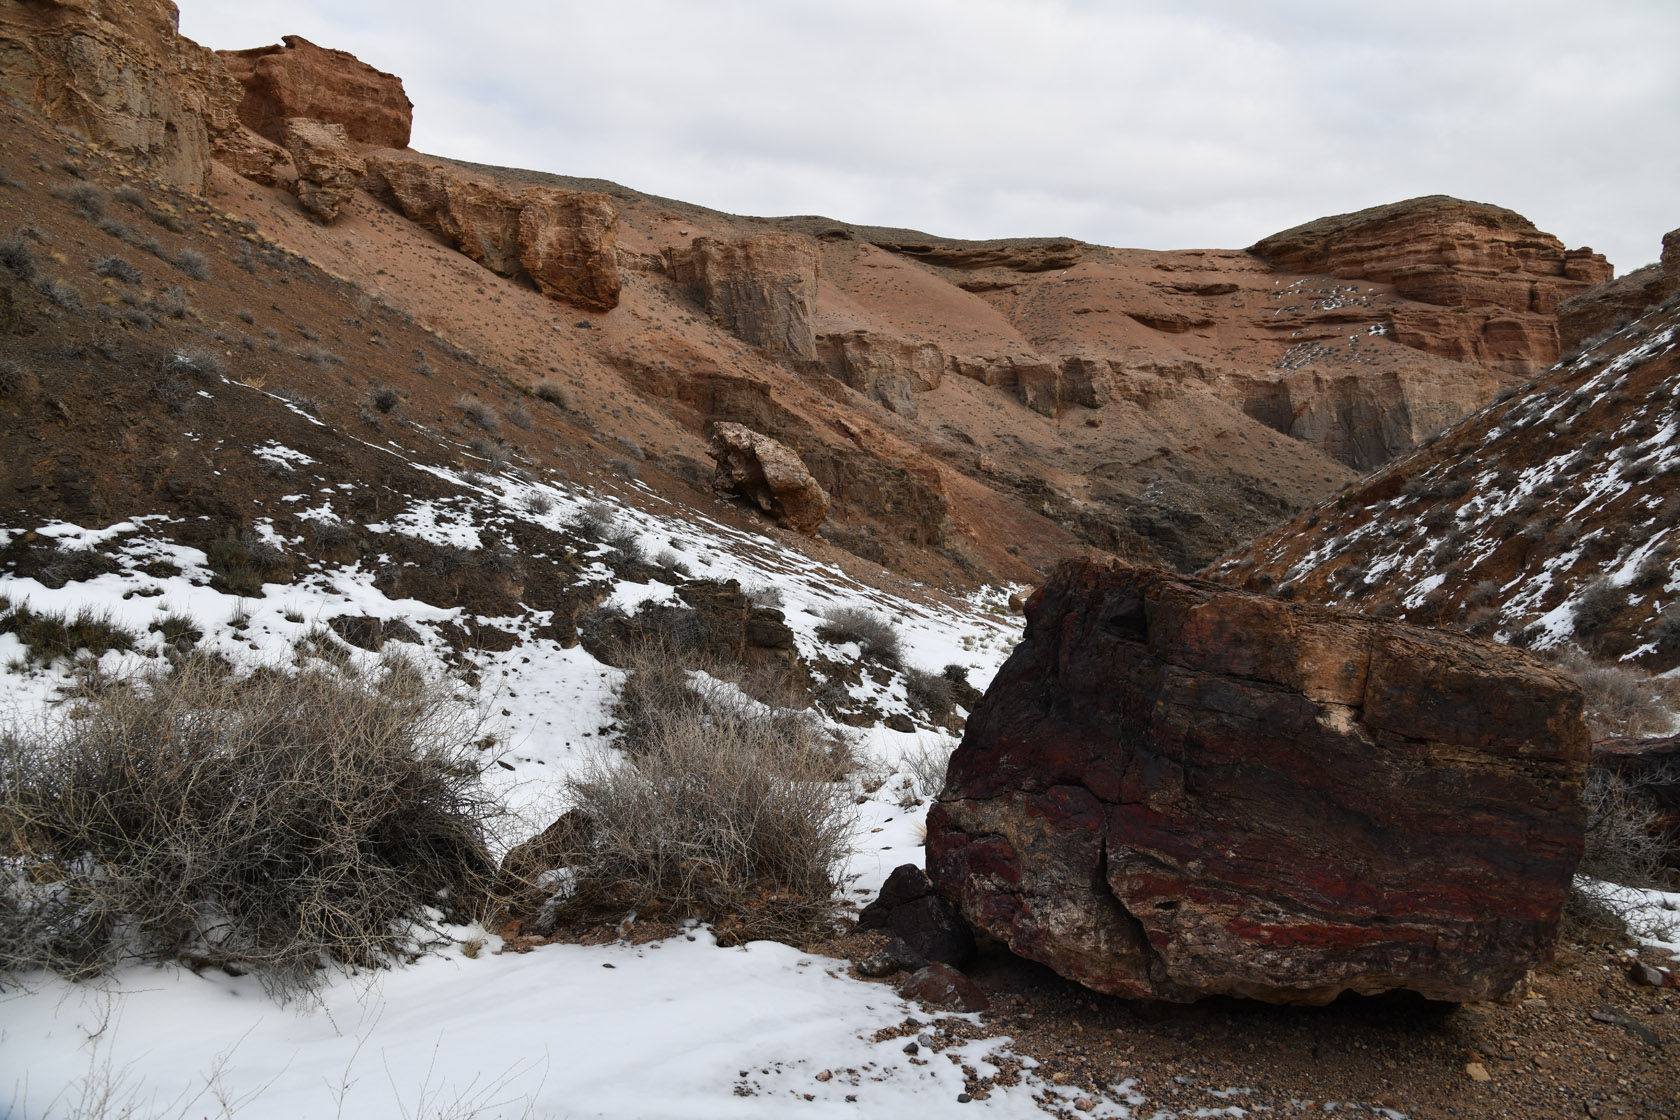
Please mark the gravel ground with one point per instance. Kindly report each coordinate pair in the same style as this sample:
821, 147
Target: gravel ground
1542, 1052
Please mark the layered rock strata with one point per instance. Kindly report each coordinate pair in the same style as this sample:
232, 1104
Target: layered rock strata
296, 78
1173, 790
1613, 305
123, 76
1488, 280
761, 287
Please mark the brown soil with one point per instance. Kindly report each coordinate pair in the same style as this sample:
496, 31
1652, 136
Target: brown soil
1544, 1054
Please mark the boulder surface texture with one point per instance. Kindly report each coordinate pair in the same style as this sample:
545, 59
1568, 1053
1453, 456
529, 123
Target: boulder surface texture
768, 474
1174, 790
761, 287
328, 167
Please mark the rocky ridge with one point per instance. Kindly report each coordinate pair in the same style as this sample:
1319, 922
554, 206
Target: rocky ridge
1545, 519
296, 78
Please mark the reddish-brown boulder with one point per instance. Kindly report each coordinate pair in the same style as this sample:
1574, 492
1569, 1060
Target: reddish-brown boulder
769, 475
1501, 278
568, 243
296, 78
1174, 790
761, 287
328, 168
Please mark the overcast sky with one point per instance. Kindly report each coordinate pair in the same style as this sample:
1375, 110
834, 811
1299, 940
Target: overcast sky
1200, 123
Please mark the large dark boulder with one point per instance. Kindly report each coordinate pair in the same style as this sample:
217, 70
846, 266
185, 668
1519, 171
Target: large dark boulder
1175, 790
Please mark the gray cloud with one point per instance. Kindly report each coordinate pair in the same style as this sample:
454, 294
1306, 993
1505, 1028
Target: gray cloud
1207, 123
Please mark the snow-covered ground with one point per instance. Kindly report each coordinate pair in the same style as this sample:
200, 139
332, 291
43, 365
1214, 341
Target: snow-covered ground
675, 1028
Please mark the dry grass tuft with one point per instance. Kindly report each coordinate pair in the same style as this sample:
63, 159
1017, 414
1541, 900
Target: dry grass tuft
716, 808
276, 821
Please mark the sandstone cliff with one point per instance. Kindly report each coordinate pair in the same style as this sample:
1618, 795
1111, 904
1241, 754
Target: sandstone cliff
762, 287
120, 75
296, 78
1490, 280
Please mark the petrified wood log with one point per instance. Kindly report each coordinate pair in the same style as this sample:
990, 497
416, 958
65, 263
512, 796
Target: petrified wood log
1175, 790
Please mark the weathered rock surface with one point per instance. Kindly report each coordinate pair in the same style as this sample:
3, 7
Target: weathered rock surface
1173, 790
1491, 279
761, 287
120, 75
1616, 303
769, 475
296, 78
568, 243
254, 157
940, 985
328, 168
890, 370
929, 927
564, 242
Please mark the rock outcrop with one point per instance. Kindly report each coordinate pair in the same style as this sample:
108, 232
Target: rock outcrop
328, 168
1616, 303
122, 76
564, 242
762, 288
1174, 790
889, 370
296, 78
1490, 280
568, 243
769, 475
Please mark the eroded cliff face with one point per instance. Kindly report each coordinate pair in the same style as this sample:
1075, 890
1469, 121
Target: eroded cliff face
296, 78
122, 76
1488, 280
955, 396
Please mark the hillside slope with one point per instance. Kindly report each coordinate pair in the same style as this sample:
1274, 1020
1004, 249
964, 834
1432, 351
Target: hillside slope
1549, 517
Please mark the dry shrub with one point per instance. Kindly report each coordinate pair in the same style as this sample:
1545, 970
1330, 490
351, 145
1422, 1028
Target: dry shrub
874, 635
273, 821
556, 394
1620, 700
1625, 844
935, 695
717, 808
50, 635
926, 764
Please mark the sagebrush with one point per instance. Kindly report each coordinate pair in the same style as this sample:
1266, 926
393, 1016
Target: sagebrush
274, 821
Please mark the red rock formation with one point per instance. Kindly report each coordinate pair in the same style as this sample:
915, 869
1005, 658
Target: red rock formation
328, 167
1173, 790
1611, 305
769, 475
120, 75
295, 78
1496, 278
761, 287
564, 242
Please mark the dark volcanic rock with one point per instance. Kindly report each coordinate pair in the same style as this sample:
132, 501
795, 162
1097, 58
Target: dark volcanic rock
1173, 790
925, 923
940, 985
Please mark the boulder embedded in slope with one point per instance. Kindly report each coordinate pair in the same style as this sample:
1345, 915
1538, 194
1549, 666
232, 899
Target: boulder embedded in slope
1173, 790
563, 242
769, 475
328, 168
568, 243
